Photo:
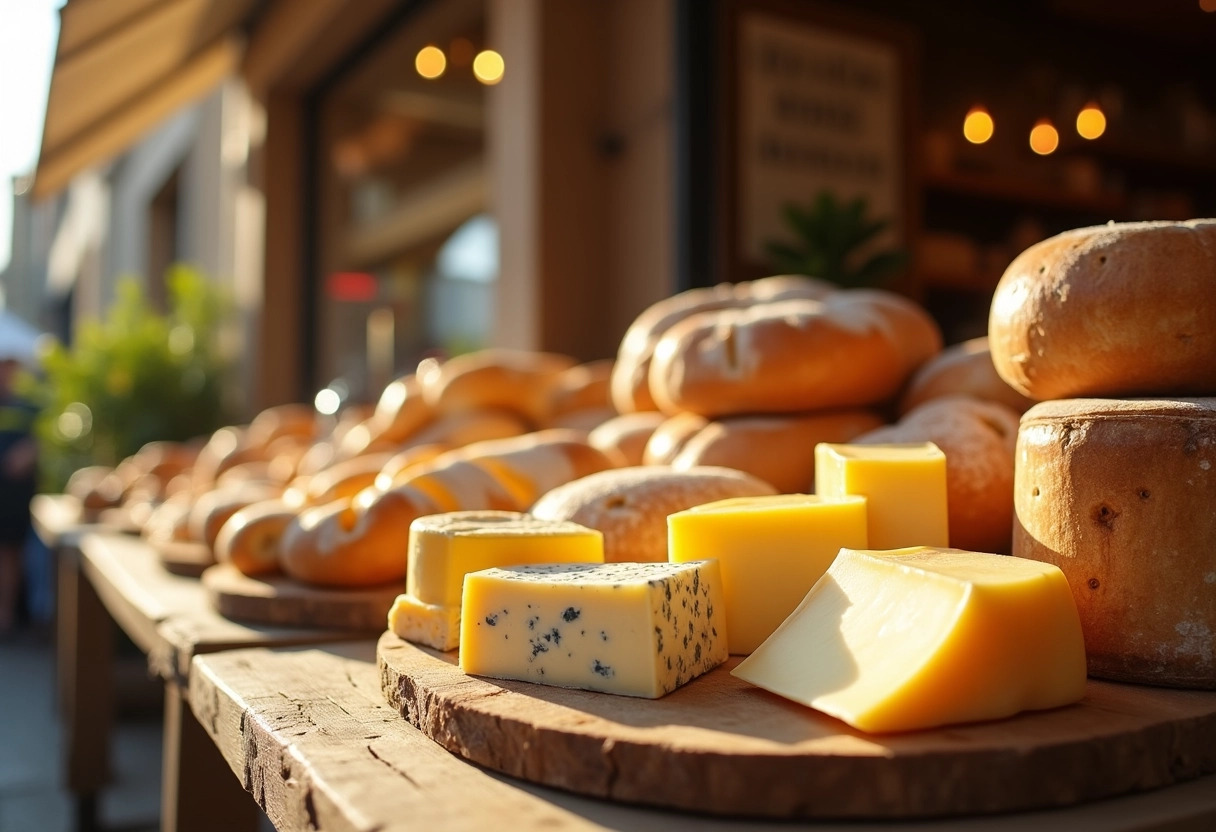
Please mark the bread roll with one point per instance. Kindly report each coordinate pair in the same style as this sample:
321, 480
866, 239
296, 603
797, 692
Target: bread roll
1114, 310
293, 419
250, 538
778, 449
401, 410
964, 369
623, 438
852, 349
1121, 496
630, 388
630, 505
670, 437
519, 381
978, 439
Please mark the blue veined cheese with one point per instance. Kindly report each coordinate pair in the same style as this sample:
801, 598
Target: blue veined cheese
435, 625
638, 629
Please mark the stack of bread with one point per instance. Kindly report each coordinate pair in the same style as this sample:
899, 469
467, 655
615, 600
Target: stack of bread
1113, 329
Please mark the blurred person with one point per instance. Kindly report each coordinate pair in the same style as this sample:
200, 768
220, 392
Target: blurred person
18, 469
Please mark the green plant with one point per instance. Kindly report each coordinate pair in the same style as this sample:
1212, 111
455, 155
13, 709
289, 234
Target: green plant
830, 242
134, 377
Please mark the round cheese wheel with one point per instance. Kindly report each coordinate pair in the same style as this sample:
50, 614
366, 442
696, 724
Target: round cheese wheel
1121, 496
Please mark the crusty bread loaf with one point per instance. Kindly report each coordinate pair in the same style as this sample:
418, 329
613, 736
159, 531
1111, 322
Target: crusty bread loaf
1121, 496
977, 438
964, 369
623, 438
250, 538
851, 349
779, 449
1114, 310
401, 410
669, 438
630, 505
292, 419
519, 381
630, 388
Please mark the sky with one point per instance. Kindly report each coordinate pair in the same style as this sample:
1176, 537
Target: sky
28, 32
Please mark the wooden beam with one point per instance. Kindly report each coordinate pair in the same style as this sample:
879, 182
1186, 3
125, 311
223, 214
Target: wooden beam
119, 129
284, 33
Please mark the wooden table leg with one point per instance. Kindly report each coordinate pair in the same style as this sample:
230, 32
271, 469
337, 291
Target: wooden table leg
85, 663
198, 790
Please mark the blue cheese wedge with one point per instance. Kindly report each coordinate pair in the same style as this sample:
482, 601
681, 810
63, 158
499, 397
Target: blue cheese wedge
637, 629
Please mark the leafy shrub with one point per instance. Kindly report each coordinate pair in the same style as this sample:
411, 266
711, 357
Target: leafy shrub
134, 377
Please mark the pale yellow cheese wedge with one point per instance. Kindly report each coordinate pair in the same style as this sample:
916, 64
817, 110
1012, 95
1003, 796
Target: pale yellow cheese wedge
443, 547
771, 551
922, 637
904, 486
435, 625
636, 629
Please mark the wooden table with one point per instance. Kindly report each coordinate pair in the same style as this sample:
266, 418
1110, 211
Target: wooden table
309, 734
170, 618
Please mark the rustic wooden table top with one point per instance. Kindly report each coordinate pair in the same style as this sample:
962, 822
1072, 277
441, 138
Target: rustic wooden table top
59, 519
170, 617
310, 735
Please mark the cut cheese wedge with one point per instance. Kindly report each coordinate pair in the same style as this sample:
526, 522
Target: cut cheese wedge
636, 629
435, 625
904, 486
916, 638
771, 551
443, 547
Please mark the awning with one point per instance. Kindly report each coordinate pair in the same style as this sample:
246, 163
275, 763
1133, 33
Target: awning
123, 66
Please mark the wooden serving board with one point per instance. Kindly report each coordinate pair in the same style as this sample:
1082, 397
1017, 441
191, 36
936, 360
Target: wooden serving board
722, 746
279, 600
184, 557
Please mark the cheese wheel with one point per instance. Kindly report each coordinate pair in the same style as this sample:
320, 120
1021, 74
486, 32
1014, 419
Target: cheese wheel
630, 505
978, 440
964, 369
851, 349
778, 449
1121, 495
1115, 310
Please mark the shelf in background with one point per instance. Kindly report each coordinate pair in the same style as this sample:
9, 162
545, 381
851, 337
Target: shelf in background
1020, 192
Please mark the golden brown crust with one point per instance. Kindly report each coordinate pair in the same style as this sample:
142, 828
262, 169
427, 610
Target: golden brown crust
623, 438
630, 505
401, 411
1113, 310
978, 439
852, 349
250, 538
630, 383
963, 369
778, 449
670, 436
518, 381
1119, 494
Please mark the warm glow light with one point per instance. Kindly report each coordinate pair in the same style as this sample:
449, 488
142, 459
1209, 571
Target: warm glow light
1207, 5
1091, 121
978, 126
327, 402
1043, 138
430, 62
488, 66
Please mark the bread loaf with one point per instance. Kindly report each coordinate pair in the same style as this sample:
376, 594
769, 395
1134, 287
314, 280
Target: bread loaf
624, 437
978, 440
851, 349
518, 381
1114, 310
250, 538
630, 377
964, 369
630, 505
1121, 496
778, 449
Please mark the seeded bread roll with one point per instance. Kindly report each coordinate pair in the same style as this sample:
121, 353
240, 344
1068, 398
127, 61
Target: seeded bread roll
964, 369
852, 349
1115, 310
1121, 496
630, 376
630, 505
778, 449
977, 438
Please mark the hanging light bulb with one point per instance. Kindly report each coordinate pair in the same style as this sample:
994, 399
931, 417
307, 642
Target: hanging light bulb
1043, 137
1091, 121
430, 62
978, 126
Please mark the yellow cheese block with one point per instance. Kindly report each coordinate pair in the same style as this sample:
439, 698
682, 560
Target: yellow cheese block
443, 547
904, 486
922, 637
435, 625
636, 629
771, 551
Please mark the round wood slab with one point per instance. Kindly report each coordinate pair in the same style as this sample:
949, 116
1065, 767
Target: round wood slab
722, 746
184, 557
279, 600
